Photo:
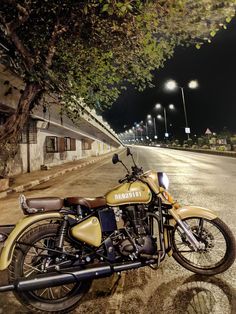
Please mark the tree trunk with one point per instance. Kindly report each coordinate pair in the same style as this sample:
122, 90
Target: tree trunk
9, 132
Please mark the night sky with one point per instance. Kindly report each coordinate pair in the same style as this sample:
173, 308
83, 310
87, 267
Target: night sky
212, 105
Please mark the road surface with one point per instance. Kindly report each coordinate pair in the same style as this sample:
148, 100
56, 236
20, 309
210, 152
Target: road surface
200, 179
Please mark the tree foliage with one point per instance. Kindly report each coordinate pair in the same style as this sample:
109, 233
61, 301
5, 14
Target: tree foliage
92, 49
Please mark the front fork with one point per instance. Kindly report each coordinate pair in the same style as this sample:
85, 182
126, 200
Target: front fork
192, 239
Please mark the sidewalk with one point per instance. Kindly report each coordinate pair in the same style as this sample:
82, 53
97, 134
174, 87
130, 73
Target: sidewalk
23, 182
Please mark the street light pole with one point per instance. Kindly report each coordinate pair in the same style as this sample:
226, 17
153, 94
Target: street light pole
155, 128
158, 107
185, 111
165, 120
172, 85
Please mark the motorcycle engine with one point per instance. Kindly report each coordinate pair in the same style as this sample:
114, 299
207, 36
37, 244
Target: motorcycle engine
138, 239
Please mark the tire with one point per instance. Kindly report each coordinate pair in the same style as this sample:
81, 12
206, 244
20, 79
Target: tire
219, 244
44, 300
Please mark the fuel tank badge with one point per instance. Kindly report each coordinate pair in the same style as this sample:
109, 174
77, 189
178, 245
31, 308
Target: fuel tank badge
123, 196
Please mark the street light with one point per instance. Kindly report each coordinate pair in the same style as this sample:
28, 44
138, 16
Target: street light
193, 84
171, 107
172, 85
151, 121
158, 106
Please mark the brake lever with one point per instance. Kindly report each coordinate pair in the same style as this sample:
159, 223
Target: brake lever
128, 177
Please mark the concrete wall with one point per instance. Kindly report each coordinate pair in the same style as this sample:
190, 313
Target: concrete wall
39, 156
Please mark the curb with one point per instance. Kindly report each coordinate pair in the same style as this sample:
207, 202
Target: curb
25, 187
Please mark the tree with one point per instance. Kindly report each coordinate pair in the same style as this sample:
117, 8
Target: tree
92, 49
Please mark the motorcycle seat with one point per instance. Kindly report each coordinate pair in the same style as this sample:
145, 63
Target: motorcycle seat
45, 203
89, 203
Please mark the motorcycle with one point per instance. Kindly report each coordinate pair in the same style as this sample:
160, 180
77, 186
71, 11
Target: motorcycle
54, 253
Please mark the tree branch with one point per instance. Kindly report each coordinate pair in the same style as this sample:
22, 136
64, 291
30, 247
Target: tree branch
9, 30
27, 57
23, 14
58, 30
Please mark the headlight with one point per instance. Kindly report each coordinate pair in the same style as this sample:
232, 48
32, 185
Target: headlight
163, 180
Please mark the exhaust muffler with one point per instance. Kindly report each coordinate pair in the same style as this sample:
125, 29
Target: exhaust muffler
68, 276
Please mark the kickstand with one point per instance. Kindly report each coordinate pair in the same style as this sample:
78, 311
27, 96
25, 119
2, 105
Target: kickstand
157, 264
115, 284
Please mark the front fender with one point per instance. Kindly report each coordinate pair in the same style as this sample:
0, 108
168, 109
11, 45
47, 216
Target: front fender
192, 212
18, 231
196, 211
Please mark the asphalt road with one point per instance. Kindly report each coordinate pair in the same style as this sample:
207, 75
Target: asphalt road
200, 179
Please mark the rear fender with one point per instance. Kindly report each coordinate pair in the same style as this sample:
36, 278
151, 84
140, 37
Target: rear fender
18, 231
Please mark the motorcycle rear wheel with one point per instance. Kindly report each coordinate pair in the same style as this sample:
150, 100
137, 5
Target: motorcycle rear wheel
219, 250
26, 264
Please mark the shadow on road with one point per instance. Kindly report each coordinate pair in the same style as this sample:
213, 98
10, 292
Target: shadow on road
141, 294
183, 295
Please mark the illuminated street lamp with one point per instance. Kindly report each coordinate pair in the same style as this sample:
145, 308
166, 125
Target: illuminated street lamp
172, 85
152, 121
158, 107
193, 84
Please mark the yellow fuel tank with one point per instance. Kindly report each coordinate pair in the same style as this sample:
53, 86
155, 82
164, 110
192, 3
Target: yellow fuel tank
129, 193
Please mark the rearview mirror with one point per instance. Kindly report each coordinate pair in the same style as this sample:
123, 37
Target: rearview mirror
115, 159
128, 152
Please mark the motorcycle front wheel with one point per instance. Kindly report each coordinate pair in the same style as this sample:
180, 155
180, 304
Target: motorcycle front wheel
27, 262
218, 247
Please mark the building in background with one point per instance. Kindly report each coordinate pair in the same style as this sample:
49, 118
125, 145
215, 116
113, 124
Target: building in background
50, 138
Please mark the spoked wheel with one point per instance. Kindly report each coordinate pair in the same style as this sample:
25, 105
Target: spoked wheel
218, 248
31, 260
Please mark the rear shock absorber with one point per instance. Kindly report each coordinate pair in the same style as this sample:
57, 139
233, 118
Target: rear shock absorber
62, 233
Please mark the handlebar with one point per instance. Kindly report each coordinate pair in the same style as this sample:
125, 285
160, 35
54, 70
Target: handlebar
135, 172
128, 177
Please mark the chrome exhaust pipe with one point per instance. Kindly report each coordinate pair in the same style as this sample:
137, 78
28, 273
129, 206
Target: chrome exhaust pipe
68, 276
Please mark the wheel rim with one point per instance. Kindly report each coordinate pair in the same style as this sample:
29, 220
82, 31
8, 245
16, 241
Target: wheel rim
212, 239
32, 263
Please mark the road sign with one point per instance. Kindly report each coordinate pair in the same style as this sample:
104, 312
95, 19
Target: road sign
187, 130
208, 131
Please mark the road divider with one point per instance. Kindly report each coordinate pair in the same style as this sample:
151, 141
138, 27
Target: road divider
204, 151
